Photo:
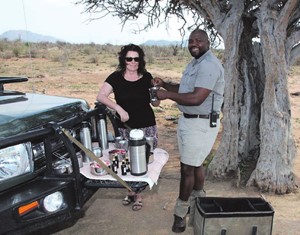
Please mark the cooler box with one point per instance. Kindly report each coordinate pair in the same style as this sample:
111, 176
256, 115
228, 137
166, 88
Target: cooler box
232, 216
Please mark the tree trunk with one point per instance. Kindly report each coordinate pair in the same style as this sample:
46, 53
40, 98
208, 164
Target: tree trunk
226, 161
277, 149
257, 147
240, 142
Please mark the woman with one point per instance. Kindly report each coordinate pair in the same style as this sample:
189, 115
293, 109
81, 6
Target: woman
130, 84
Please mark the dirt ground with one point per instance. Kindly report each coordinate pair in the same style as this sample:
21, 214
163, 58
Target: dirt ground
105, 214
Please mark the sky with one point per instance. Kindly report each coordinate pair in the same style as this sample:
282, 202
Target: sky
66, 21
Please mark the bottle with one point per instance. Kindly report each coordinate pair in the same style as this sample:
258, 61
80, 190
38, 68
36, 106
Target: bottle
102, 131
127, 165
114, 168
123, 168
137, 152
117, 160
86, 140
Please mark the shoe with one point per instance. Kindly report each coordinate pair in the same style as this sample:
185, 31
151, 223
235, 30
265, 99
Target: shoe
179, 224
138, 204
127, 200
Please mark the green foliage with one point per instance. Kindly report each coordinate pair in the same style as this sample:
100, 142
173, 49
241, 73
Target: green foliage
16, 51
4, 45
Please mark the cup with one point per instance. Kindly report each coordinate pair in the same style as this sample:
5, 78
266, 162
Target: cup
150, 141
123, 144
97, 151
153, 93
117, 141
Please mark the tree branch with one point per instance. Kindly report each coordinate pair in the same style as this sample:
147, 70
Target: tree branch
284, 15
292, 40
212, 9
294, 55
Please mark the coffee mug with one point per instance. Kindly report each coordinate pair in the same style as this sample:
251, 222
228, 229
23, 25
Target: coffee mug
118, 139
153, 93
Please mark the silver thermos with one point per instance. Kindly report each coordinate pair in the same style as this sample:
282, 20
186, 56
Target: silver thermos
86, 140
102, 131
137, 152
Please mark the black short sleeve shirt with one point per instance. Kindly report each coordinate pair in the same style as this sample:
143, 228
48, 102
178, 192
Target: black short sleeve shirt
134, 98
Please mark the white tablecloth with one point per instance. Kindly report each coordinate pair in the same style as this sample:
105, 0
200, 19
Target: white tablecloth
160, 157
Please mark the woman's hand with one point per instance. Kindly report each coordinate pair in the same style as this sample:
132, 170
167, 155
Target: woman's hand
122, 113
155, 103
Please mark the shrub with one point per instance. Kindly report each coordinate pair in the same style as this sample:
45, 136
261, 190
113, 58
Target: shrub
16, 51
93, 59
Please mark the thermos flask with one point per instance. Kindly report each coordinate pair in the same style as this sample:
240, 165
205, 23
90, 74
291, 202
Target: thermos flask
137, 152
102, 131
86, 140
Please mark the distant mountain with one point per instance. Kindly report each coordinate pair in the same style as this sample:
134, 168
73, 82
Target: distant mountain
27, 36
162, 43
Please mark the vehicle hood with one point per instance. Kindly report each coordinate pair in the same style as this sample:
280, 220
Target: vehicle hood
22, 113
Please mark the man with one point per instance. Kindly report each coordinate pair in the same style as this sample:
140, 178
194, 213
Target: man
199, 97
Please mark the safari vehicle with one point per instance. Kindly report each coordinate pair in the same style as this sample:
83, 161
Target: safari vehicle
40, 181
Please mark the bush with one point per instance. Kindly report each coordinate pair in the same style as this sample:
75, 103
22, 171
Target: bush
93, 59
7, 55
16, 51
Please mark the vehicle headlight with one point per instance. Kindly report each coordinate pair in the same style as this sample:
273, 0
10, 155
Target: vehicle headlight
15, 161
53, 202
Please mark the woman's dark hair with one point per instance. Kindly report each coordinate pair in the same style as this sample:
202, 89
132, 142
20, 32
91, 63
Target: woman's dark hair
122, 55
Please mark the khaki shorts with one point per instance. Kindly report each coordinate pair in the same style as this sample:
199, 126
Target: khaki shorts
195, 139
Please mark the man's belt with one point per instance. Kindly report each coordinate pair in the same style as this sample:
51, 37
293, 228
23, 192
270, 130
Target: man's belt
186, 115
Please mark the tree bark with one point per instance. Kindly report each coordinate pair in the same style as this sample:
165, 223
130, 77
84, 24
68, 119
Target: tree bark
226, 161
244, 84
257, 145
277, 149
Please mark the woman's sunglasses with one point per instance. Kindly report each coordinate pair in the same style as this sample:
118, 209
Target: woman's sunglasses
129, 59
